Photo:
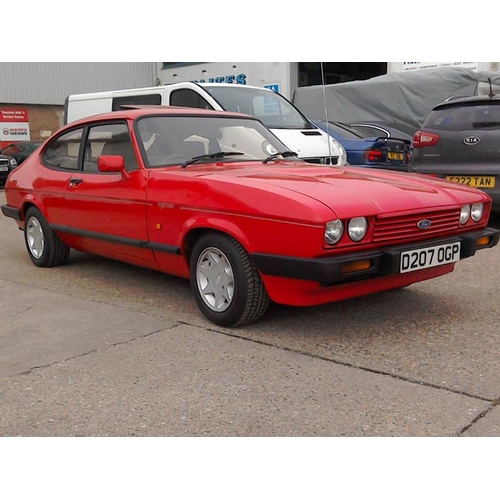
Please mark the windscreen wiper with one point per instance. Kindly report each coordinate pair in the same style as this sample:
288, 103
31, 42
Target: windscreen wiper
211, 156
284, 154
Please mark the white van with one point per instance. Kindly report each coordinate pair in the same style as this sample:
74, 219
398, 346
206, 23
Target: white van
277, 113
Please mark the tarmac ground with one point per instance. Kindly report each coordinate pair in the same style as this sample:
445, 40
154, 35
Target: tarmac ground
100, 348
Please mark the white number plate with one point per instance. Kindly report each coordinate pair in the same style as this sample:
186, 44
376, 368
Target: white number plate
4, 169
413, 260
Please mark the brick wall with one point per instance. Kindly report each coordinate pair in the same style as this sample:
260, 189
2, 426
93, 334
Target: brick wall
43, 120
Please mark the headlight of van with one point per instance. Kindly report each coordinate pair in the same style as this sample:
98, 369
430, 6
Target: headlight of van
336, 146
333, 231
12, 163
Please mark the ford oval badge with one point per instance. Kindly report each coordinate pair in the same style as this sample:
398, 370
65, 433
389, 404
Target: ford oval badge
424, 224
471, 140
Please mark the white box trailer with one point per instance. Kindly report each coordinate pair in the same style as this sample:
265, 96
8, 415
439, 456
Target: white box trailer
278, 114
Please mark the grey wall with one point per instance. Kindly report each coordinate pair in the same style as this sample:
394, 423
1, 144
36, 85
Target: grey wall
52, 82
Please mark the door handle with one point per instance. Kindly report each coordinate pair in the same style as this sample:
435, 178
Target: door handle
74, 182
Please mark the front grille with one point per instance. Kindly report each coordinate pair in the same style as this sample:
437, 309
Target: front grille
404, 227
322, 160
4, 162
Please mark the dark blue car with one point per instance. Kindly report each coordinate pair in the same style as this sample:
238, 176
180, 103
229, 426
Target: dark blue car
364, 149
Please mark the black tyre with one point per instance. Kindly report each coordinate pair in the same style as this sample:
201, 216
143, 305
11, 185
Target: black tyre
44, 246
226, 285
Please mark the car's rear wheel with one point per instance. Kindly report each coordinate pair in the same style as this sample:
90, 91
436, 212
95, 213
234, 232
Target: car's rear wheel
44, 246
227, 286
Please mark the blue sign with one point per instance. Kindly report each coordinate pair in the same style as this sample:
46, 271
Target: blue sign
273, 86
240, 79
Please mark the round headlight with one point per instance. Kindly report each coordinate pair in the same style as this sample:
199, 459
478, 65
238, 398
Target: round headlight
464, 214
476, 212
357, 228
333, 231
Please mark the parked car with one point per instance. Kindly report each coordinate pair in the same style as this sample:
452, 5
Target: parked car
380, 129
460, 141
216, 198
379, 151
7, 164
20, 150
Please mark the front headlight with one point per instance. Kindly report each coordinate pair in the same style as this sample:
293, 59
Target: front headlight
464, 214
357, 228
13, 162
342, 152
333, 231
477, 212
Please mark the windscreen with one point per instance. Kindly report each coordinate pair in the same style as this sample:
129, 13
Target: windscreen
170, 140
268, 106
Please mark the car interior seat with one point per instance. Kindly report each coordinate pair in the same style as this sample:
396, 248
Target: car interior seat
122, 148
190, 149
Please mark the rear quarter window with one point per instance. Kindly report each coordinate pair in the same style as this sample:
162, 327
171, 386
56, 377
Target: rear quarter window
63, 152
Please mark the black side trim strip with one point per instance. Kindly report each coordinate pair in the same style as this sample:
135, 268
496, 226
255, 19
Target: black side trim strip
11, 212
117, 239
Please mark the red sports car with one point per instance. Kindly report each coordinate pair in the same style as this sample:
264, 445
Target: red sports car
217, 198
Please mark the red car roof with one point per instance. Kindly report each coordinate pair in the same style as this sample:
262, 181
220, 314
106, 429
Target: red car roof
135, 112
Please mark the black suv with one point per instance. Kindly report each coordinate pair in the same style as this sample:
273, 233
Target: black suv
460, 141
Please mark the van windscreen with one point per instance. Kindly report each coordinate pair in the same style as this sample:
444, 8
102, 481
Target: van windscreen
268, 106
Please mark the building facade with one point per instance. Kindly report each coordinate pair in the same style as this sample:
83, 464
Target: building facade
32, 94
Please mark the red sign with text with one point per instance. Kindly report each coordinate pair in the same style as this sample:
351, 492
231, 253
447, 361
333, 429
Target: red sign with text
14, 125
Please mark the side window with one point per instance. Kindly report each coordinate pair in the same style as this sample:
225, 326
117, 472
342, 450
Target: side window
188, 98
118, 102
63, 151
109, 139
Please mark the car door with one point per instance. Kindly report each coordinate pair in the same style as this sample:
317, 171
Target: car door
107, 210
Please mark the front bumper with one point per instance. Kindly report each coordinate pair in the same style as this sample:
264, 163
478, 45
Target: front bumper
382, 262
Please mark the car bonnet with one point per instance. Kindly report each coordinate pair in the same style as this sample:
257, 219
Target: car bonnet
351, 191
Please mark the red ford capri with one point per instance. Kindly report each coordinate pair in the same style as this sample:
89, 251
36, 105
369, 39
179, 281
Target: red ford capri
216, 198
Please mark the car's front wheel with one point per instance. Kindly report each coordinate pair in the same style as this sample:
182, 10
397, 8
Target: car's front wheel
44, 246
227, 286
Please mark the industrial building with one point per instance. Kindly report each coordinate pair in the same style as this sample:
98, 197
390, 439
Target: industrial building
33, 94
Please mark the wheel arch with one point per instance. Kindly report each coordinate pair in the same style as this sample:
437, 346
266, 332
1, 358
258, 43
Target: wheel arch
27, 204
194, 233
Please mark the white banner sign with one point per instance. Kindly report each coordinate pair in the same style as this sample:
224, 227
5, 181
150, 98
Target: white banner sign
410, 66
